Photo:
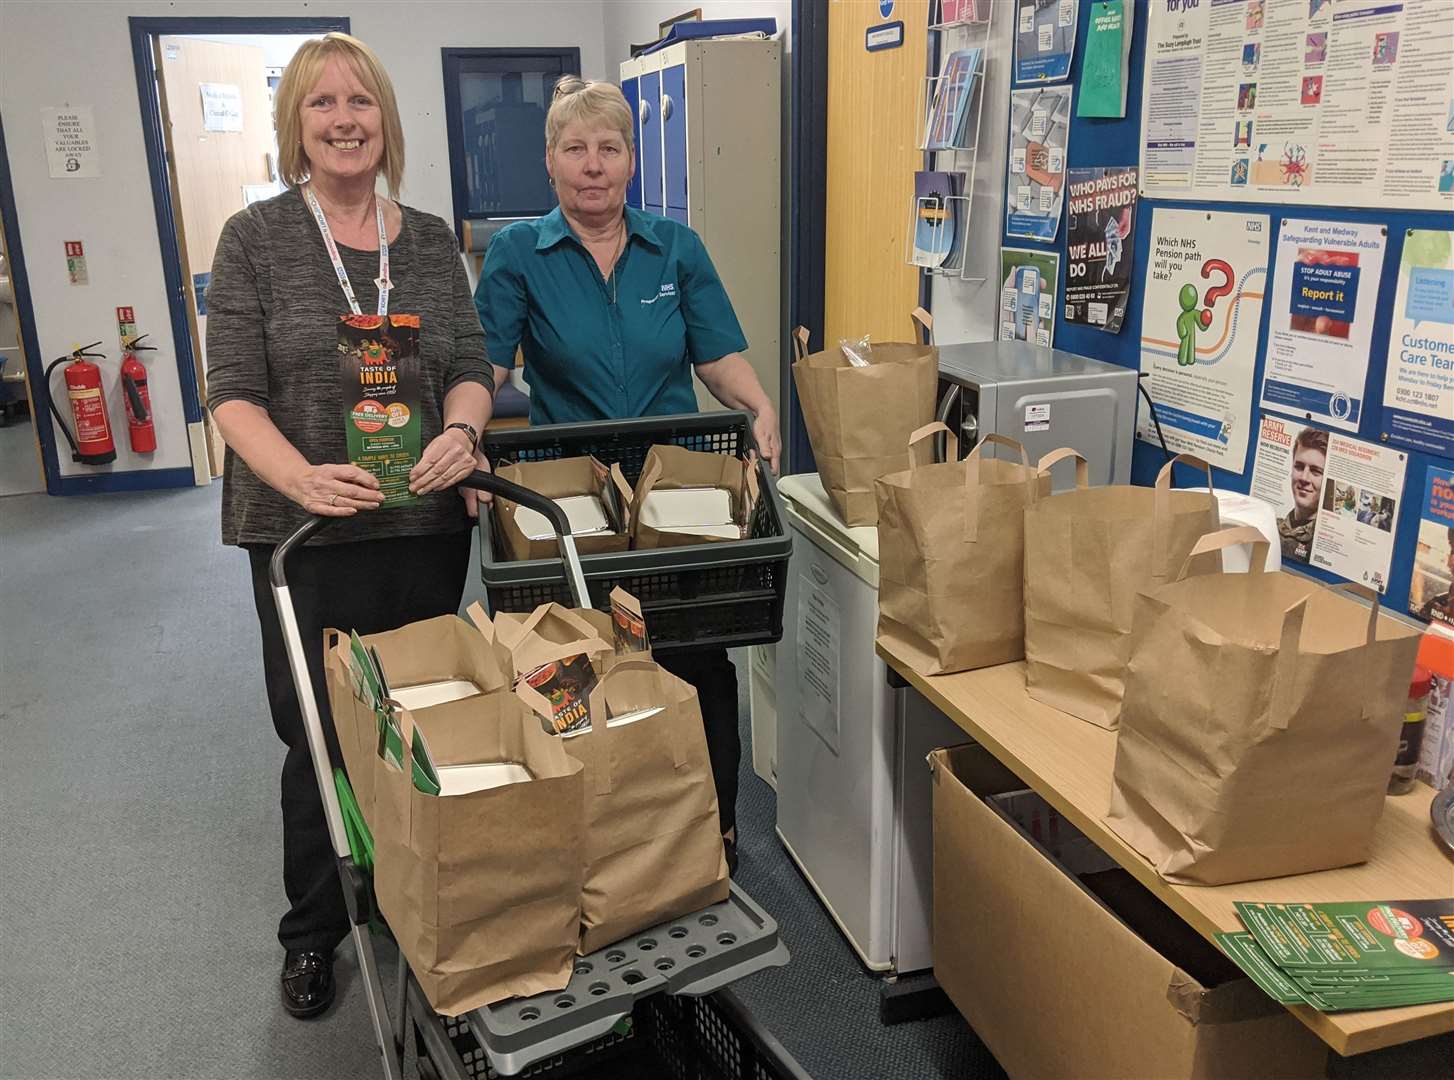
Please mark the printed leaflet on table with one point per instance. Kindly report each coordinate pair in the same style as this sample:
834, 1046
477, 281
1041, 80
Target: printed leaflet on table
1300, 101
1027, 295
1100, 235
1418, 388
1337, 499
1431, 592
1105, 73
1039, 136
1323, 298
1044, 40
1199, 320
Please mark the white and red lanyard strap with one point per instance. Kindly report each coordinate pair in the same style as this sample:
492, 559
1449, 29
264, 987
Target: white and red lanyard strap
383, 282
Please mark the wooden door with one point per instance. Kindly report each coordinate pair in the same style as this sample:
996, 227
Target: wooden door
873, 136
209, 167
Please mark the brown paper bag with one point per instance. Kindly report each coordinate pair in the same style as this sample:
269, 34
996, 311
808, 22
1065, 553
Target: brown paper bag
557, 479
859, 419
653, 849
951, 541
482, 890
669, 467
550, 632
1261, 720
432, 650
1088, 553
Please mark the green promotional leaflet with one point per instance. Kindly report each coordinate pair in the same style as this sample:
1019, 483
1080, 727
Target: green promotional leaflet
379, 368
1102, 80
1358, 955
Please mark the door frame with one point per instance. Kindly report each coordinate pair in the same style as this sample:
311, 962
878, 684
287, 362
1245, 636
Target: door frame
809, 212
25, 322
144, 30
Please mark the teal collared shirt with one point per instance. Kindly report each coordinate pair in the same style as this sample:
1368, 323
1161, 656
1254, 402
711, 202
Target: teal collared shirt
597, 350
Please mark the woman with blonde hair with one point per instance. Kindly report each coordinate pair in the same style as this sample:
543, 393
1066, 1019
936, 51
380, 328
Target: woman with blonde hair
615, 310
346, 370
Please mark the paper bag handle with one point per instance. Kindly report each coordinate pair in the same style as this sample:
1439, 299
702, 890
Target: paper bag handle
1371, 635
951, 442
923, 324
567, 616
1230, 537
1292, 625
1050, 460
973, 473
604, 768
800, 343
1161, 511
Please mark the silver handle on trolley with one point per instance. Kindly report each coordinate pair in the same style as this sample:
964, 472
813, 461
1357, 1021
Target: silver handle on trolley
487, 481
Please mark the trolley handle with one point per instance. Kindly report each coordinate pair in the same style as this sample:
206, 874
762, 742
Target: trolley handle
480, 481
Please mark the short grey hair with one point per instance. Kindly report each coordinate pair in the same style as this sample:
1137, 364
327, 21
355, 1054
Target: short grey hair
597, 103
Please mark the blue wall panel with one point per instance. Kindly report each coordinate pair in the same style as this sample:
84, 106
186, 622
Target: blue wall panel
1116, 142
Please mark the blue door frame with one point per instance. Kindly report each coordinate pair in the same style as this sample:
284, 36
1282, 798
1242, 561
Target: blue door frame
142, 31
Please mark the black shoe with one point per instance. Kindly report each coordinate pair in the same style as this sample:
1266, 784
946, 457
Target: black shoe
308, 986
729, 847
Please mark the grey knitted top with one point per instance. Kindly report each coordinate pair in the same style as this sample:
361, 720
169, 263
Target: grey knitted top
272, 339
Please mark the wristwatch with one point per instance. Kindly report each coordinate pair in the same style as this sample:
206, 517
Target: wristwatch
468, 430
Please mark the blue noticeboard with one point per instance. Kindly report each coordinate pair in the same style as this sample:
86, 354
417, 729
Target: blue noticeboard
1094, 143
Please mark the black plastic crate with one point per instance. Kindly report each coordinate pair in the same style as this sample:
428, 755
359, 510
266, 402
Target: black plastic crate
726, 594
668, 1037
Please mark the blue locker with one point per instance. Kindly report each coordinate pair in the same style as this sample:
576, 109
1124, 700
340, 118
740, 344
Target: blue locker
649, 169
674, 137
631, 91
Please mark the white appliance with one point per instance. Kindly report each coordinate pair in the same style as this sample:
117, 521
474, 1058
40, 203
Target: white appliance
762, 710
853, 803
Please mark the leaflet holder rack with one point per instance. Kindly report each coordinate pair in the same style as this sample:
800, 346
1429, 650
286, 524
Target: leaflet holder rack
980, 12
953, 266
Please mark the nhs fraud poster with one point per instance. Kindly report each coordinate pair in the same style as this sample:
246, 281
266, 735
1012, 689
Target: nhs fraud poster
1100, 238
1203, 305
1309, 102
1431, 592
1418, 389
1324, 291
1337, 498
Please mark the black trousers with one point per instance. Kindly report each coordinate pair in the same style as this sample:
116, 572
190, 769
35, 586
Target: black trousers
715, 677
369, 586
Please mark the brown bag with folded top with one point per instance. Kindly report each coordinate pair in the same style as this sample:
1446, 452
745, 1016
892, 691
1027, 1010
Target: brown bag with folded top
951, 540
1088, 552
482, 889
668, 468
859, 419
561, 478
652, 845
1261, 719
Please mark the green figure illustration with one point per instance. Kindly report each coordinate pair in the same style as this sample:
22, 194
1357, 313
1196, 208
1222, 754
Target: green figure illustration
1186, 326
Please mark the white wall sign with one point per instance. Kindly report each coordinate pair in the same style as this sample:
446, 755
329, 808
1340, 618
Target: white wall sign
70, 142
221, 107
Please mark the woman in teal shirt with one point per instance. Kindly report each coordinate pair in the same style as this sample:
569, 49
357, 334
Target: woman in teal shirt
615, 310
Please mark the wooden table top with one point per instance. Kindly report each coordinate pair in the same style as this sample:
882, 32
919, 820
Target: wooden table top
1069, 762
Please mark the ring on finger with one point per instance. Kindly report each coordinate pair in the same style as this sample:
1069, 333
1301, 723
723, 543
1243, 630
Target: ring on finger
333, 501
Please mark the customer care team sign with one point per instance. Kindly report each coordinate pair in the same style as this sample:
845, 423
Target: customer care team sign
1418, 389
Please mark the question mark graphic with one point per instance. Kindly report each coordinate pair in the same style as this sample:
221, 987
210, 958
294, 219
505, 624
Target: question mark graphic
1216, 291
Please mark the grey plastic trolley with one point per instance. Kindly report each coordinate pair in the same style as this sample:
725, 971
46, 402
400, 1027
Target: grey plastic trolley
688, 957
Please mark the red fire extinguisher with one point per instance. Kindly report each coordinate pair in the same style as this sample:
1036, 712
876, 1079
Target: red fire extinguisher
138, 399
92, 443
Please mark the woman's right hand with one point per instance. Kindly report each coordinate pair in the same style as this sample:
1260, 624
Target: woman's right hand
335, 490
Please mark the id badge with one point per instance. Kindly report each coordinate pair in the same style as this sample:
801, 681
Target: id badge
379, 367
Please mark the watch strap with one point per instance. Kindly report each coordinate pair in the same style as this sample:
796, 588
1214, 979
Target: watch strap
468, 429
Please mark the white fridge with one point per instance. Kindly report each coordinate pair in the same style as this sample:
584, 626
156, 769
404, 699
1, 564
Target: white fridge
853, 788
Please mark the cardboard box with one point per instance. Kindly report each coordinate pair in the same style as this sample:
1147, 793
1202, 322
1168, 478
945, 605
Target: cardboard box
1058, 985
560, 479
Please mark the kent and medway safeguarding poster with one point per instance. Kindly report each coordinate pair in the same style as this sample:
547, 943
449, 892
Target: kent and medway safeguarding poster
1300, 101
1044, 40
1039, 136
1323, 297
1203, 305
1418, 389
1431, 593
1100, 235
1027, 295
1337, 499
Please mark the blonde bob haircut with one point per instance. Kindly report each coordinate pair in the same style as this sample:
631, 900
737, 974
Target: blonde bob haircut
596, 104
303, 73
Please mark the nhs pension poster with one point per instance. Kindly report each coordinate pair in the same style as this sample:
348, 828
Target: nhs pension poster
1205, 281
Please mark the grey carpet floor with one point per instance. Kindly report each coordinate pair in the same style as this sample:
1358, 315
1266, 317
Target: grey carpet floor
140, 835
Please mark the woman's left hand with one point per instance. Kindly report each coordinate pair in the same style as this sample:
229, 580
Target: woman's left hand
764, 430
447, 460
